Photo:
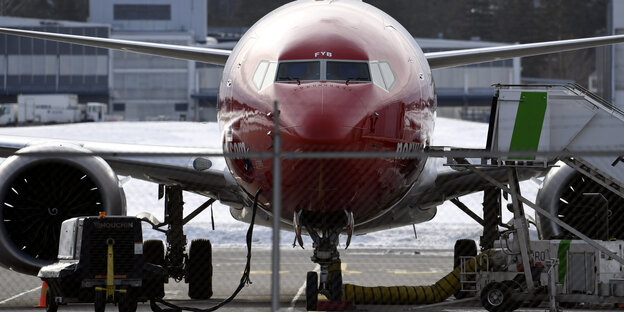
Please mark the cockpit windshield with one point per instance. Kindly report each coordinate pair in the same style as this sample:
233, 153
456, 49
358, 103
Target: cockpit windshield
348, 71
299, 71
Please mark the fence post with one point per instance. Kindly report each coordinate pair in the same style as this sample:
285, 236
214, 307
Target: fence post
276, 209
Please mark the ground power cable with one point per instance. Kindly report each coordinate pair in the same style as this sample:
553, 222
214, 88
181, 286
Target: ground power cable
245, 280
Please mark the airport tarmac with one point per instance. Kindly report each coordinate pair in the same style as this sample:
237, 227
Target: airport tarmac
370, 267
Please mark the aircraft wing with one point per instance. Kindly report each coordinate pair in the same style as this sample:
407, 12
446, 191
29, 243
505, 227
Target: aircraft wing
219, 57
199, 54
474, 56
159, 164
451, 184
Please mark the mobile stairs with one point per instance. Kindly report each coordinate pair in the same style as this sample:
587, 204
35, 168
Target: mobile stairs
535, 127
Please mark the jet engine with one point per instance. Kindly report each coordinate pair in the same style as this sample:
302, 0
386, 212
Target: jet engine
39, 189
580, 202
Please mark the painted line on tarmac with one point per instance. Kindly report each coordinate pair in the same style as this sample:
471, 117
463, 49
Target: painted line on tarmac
343, 268
302, 289
406, 272
19, 295
265, 272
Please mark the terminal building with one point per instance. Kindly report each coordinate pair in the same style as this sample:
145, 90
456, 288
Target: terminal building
608, 80
31, 66
149, 87
466, 92
617, 76
140, 87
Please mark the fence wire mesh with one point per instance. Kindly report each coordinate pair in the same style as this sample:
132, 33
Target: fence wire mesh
406, 228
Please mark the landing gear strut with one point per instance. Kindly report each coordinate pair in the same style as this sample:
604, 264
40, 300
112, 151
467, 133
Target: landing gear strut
326, 255
196, 270
176, 240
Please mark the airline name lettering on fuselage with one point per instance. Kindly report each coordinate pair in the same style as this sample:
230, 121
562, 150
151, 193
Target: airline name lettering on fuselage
237, 148
324, 53
406, 148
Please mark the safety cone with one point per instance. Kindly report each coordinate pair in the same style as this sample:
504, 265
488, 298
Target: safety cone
42, 298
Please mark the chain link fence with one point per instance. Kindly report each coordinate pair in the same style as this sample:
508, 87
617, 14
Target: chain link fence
388, 215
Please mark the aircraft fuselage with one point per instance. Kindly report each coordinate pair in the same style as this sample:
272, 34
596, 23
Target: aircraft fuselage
347, 77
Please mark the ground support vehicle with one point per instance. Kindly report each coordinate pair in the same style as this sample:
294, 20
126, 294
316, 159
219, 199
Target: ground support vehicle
564, 272
103, 260
548, 127
567, 134
48, 109
8, 114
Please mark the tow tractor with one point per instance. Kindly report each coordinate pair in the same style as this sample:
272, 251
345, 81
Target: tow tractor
104, 260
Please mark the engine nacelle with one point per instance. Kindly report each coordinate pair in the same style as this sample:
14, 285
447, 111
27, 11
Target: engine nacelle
38, 192
572, 196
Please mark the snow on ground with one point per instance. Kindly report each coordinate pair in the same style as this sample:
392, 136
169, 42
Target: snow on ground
449, 225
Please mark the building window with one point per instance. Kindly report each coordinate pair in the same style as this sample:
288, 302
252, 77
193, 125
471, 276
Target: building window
119, 107
181, 107
142, 12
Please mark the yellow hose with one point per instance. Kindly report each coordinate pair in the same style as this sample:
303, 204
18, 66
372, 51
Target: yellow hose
410, 295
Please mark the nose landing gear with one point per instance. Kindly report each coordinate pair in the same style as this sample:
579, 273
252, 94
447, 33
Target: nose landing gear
328, 280
326, 255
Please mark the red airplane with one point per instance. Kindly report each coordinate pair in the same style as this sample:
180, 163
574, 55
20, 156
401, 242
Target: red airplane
346, 76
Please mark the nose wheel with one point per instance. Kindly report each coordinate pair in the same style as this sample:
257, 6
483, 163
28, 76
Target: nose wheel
329, 281
334, 282
332, 289
312, 291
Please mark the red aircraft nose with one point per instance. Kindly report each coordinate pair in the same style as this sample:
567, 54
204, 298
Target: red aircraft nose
323, 114
333, 117
322, 129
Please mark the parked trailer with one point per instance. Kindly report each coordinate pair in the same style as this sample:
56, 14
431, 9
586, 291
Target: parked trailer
49, 108
53, 108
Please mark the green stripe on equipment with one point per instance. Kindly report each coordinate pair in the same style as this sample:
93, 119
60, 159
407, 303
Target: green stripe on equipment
529, 121
562, 255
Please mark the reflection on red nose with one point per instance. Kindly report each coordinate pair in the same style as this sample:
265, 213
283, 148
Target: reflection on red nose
326, 129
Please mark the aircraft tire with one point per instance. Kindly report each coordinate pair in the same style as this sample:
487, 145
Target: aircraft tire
154, 253
335, 283
200, 270
311, 291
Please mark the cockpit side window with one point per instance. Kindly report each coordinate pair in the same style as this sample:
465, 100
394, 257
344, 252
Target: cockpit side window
258, 77
299, 71
382, 75
265, 74
348, 71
